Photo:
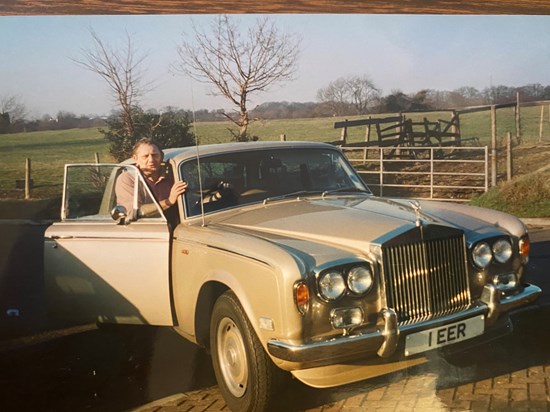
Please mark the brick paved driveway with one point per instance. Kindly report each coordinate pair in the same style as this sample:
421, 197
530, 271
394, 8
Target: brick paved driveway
512, 374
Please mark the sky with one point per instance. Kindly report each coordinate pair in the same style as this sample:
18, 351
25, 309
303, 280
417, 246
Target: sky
397, 52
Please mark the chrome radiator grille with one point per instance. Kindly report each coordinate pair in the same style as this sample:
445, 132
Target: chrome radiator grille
427, 279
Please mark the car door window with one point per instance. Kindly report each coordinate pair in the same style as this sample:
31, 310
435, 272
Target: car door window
222, 180
90, 193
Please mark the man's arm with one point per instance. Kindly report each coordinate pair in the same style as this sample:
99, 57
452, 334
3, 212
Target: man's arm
124, 191
176, 190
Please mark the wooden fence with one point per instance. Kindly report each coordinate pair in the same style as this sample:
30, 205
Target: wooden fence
402, 135
400, 132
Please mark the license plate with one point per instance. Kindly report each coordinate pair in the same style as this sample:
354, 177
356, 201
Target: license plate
444, 335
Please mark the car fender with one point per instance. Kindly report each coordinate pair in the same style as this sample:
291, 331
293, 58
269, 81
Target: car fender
207, 262
460, 214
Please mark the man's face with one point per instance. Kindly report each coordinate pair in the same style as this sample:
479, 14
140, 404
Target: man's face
148, 158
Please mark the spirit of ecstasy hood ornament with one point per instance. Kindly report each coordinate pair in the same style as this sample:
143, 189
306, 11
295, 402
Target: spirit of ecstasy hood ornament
417, 209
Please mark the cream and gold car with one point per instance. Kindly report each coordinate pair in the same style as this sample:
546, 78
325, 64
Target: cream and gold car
279, 259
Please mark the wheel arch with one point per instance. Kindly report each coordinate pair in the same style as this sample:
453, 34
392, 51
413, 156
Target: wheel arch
208, 295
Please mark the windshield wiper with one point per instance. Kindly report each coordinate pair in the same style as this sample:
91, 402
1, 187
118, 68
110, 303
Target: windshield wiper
293, 194
323, 193
346, 190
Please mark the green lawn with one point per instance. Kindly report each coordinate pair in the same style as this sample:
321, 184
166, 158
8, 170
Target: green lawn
319, 129
48, 152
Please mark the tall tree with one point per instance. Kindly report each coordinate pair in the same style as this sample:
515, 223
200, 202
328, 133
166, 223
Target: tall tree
239, 64
122, 69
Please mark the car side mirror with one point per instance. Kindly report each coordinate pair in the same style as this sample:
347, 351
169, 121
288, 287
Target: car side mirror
119, 213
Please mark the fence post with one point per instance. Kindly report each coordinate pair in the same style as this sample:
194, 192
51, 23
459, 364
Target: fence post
344, 134
486, 169
431, 172
27, 178
455, 128
96, 158
541, 125
381, 172
367, 140
509, 172
493, 146
518, 120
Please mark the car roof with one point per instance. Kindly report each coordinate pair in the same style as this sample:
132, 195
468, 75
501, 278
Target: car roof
184, 153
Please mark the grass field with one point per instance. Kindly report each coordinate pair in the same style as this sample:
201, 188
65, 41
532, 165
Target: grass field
49, 151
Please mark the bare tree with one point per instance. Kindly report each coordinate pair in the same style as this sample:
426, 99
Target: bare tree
122, 70
363, 93
238, 64
14, 107
353, 93
335, 96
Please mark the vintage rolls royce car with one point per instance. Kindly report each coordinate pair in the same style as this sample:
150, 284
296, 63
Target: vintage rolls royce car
279, 259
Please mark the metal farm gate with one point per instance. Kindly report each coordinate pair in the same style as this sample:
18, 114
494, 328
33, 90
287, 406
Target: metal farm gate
423, 159
436, 173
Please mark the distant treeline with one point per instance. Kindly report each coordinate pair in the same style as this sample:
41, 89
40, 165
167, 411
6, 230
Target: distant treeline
394, 102
63, 121
397, 102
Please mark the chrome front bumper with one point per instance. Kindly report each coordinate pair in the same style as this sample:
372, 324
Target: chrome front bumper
384, 341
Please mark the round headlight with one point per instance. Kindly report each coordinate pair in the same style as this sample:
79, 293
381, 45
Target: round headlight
360, 279
482, 255
502, 250
332, 285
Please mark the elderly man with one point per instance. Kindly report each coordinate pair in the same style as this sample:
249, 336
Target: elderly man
148, 157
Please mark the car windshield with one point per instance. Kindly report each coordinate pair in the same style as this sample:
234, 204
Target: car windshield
233, 179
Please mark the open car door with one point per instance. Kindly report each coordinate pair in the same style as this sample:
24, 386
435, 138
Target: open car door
99, 269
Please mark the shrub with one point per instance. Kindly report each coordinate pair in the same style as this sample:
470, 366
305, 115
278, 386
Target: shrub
170, 129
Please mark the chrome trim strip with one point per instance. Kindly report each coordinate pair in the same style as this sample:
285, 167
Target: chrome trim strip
221, 249
238, 254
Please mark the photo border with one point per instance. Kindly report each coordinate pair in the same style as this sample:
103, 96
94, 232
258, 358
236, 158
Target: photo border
109, 7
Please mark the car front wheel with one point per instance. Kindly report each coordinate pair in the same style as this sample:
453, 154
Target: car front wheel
246, 376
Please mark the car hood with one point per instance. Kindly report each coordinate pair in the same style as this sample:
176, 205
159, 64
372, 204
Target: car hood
358, 222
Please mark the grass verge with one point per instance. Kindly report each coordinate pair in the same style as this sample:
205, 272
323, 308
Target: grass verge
526, 196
